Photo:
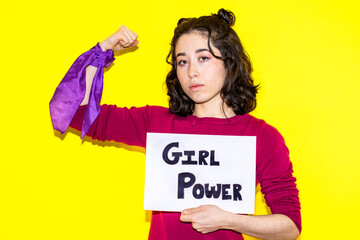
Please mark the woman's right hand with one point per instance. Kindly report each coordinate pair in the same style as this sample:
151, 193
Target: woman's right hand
123, 38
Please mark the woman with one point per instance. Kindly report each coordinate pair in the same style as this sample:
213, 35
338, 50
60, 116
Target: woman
211, 92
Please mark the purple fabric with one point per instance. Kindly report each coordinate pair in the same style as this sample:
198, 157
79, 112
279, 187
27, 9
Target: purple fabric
71, 90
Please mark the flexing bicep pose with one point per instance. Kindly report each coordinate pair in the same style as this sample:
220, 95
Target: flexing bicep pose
120, 40
211, 91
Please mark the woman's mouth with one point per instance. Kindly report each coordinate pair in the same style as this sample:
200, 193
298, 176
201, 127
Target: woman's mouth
196, 87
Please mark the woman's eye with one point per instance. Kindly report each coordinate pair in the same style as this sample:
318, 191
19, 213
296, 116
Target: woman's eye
181, 62
203, 59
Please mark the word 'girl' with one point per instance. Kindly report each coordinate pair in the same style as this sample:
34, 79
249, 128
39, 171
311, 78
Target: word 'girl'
202, 156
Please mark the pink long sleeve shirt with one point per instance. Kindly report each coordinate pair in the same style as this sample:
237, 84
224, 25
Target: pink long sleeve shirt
273, 167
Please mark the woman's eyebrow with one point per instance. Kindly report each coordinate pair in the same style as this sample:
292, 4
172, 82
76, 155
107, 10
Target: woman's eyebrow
202, 50
180, 54
197, 51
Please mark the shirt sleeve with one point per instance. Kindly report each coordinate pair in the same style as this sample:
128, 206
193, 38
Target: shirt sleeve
127, 125
275, 174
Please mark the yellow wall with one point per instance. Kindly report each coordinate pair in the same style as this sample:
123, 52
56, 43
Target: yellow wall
306, 55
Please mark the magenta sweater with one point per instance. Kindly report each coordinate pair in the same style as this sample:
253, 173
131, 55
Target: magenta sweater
273, 167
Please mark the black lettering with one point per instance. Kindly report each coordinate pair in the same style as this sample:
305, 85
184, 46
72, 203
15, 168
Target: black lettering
202, 155
236, 190
182, 184
225, 193
189, 161
212, 192
176, 155
212, 159
198, 191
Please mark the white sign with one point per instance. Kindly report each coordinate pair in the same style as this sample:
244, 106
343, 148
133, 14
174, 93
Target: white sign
187, 170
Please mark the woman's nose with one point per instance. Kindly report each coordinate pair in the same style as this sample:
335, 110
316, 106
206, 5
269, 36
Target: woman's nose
193, 71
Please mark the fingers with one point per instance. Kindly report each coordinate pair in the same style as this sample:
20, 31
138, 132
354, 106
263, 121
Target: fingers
185, 218
130, 34
204, 219
190, 216
187, 214
121, 39
127, 38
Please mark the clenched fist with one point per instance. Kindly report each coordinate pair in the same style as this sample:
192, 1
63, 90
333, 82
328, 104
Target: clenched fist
123, 38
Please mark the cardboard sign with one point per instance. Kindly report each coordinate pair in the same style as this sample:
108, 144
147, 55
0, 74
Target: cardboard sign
187, 170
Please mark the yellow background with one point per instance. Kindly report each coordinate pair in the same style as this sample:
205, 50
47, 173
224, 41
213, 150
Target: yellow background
306, 55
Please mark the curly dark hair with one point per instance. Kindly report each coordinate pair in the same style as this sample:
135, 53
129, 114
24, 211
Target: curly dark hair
239, 91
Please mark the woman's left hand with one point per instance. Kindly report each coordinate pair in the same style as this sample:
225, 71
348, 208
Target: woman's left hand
206, 218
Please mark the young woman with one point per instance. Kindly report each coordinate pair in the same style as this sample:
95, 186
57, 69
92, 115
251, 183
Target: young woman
211, 92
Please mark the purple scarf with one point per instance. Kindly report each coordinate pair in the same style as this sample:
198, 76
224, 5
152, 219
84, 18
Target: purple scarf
71, 90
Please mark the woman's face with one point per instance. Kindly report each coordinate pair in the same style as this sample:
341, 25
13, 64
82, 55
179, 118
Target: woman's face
201, 75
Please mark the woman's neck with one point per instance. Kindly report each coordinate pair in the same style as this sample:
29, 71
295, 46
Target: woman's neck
222, 111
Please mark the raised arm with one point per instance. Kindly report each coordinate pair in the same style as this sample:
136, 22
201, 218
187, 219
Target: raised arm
83, 83
122, 39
